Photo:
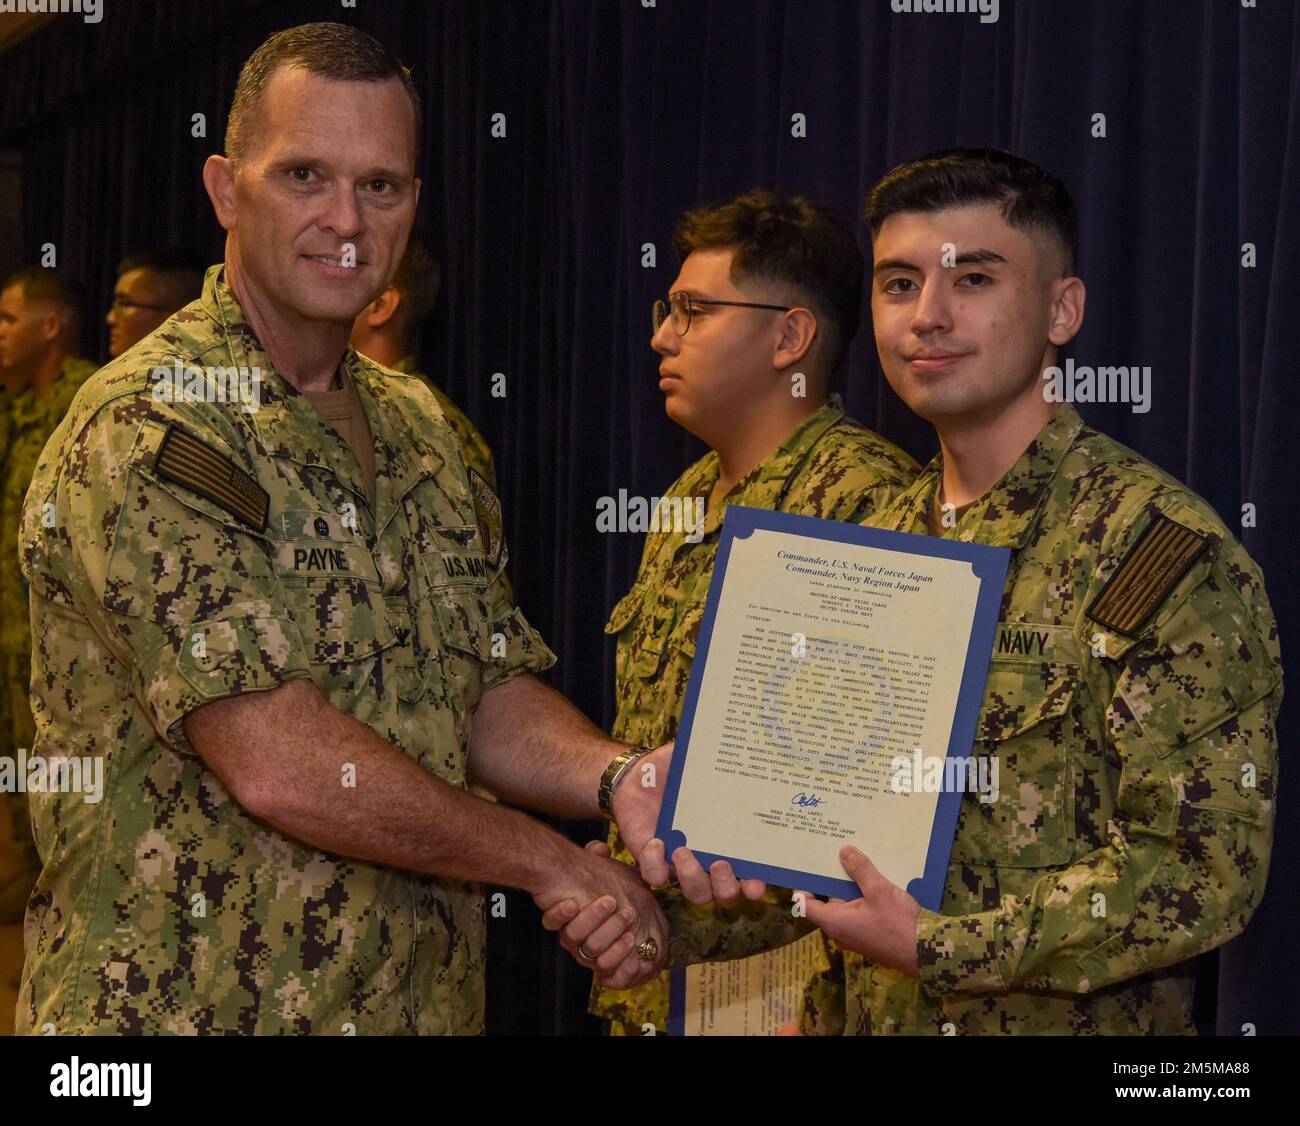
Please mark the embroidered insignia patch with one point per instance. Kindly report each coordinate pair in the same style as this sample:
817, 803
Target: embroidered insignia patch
1152, 568
184, 460
487, 510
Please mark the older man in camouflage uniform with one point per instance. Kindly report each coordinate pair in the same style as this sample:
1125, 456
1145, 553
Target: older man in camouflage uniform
728, 387
286, 641
1135, 681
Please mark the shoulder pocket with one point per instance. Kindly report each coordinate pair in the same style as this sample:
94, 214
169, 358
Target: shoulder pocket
159, 550
464, 648
1209, 660
463, 620
625, 609
641, 644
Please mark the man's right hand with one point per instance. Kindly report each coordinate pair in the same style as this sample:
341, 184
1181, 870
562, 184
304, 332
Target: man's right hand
636, 809
619, 914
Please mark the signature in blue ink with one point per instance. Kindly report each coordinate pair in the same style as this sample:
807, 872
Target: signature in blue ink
807, 801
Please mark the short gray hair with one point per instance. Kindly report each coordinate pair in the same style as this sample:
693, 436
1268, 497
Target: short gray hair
328, 50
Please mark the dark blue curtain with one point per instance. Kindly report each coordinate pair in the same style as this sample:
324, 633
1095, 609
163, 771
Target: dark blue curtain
618, 116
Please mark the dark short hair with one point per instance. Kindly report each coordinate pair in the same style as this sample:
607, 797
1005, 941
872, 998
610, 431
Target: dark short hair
328, 50
418, 280
179, 271
1030, 198
41, 283
791, 242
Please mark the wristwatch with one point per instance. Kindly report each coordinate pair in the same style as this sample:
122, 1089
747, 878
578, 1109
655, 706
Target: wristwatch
614, 775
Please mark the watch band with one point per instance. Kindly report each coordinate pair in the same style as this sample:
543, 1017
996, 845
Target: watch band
613, 775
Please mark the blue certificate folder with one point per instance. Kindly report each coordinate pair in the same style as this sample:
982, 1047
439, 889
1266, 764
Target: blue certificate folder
989, 565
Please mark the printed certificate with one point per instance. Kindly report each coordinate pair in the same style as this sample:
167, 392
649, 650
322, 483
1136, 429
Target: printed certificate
833, 661
754, 996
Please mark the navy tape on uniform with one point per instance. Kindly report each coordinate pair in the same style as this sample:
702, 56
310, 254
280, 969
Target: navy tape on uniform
1150, 570
184, 460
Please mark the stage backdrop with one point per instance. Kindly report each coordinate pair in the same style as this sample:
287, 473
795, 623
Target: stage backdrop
1176, 123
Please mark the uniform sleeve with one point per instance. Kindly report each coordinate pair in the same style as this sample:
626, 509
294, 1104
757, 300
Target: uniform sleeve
1191, 721
176, 586
861, 507
851, 480
719, 934
516, 647
823, 1012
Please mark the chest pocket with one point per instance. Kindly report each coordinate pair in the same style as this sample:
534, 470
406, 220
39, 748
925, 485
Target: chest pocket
332, 587
453, 618
1024, 730
658, 625
640, 635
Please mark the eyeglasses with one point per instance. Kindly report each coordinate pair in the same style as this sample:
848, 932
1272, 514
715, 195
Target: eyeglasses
681, 304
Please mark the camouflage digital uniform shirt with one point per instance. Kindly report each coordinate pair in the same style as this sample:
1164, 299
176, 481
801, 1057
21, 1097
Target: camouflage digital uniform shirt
197, 551
474, 449
29, 419
473, 446
1137, 770
831, 467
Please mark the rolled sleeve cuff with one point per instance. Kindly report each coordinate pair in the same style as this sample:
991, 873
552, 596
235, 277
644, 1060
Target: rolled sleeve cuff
209, 660
718, 934
525, 651
960, 953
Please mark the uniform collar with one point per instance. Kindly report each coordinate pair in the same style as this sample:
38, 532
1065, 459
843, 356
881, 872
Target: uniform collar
403, 457
284, 413
74, 372
1005, 515
29, 409
763, 485
22, 406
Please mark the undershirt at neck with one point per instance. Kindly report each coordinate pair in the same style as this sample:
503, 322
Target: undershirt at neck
342, 410
935, 521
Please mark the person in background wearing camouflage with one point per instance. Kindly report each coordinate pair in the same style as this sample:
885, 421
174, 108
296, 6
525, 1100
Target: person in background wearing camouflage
18, 860
39, 330
768, 287
385, 331
1135, 682
274, 635
150, 288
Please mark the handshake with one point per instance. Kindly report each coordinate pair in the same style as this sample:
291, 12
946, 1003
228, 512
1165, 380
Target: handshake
604, 911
